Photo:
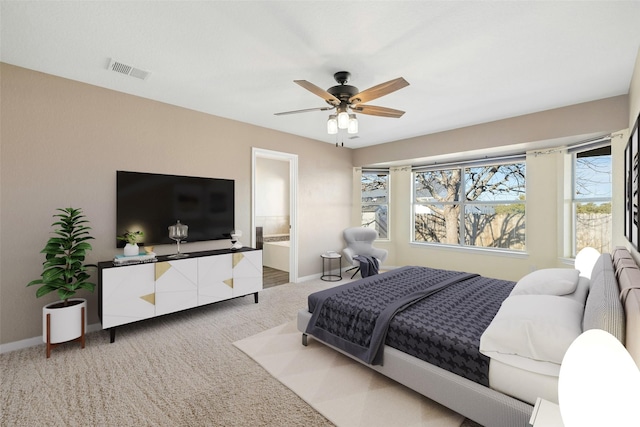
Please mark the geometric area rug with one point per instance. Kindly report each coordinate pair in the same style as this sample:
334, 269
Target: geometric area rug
341, 389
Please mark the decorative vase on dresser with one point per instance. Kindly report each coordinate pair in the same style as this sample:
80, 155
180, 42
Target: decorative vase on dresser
131, 249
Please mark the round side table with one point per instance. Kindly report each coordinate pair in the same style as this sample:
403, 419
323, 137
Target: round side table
327, 272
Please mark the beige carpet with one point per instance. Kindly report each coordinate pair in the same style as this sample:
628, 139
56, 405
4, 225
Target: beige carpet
177, 370
346, 392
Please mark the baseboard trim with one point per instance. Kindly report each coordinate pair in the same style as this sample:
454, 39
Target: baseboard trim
32, 342
344, 276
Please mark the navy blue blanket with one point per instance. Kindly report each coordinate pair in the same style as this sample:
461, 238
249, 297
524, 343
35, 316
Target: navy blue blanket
435, 315
368, 265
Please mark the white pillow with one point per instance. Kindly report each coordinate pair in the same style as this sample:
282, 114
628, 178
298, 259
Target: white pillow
548, 281
537, 327
581, 292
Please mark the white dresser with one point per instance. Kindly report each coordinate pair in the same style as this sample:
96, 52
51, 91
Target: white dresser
131, 293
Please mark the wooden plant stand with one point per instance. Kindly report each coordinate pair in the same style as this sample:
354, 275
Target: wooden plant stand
51, 346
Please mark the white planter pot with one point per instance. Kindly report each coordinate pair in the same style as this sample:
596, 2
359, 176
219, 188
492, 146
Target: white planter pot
131, 250
65, 322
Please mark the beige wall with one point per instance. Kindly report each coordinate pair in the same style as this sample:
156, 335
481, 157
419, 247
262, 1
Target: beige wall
62, 142
634, 111
634, 93
605, 115
272, 196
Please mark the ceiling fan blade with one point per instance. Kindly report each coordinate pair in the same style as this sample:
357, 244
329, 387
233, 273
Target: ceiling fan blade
379, 90
284, 113
372, 110
318, 91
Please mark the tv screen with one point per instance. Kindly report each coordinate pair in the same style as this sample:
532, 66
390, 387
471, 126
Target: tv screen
152, 202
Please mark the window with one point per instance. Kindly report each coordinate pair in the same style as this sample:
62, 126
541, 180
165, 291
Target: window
591, 202
375, 201
474, 204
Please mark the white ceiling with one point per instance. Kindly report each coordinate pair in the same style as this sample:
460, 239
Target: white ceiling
466, 62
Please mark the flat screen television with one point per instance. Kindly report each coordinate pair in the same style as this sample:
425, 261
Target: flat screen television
152, 202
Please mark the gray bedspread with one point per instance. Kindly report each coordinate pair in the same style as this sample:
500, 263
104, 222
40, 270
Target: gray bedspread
435, 315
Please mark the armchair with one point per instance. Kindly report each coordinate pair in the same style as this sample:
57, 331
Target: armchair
360, 242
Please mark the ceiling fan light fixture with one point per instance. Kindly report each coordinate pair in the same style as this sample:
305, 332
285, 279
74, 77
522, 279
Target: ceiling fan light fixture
353, 124
345, 100
343, 119
332, 124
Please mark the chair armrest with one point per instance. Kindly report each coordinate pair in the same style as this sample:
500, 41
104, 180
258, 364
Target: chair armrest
381, 254
349, 254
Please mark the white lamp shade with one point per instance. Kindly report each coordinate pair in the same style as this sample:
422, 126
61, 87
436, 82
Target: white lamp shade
353, 124
599, 383
585, 260
332, 125
343, 120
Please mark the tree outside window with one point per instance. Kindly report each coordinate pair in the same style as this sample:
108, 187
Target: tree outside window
592, 199
375, 201
480, 206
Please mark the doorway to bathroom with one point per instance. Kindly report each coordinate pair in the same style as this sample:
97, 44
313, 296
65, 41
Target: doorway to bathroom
274, 213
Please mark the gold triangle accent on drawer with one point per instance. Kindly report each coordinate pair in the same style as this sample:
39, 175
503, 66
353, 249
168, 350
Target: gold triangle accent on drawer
151, 298
161, 268
237, 257
229, 282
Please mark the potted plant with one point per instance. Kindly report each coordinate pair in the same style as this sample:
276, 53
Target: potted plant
131, 237
64, 272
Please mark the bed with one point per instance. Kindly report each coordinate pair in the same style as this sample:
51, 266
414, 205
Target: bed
450, 335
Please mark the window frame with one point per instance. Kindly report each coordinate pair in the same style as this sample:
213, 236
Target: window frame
461, 201
574, 152
387, 204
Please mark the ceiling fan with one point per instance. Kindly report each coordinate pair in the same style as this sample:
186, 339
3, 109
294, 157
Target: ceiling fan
345, 98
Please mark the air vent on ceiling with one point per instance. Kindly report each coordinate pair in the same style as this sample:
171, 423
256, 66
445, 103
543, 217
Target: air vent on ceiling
354, 137
128, 70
